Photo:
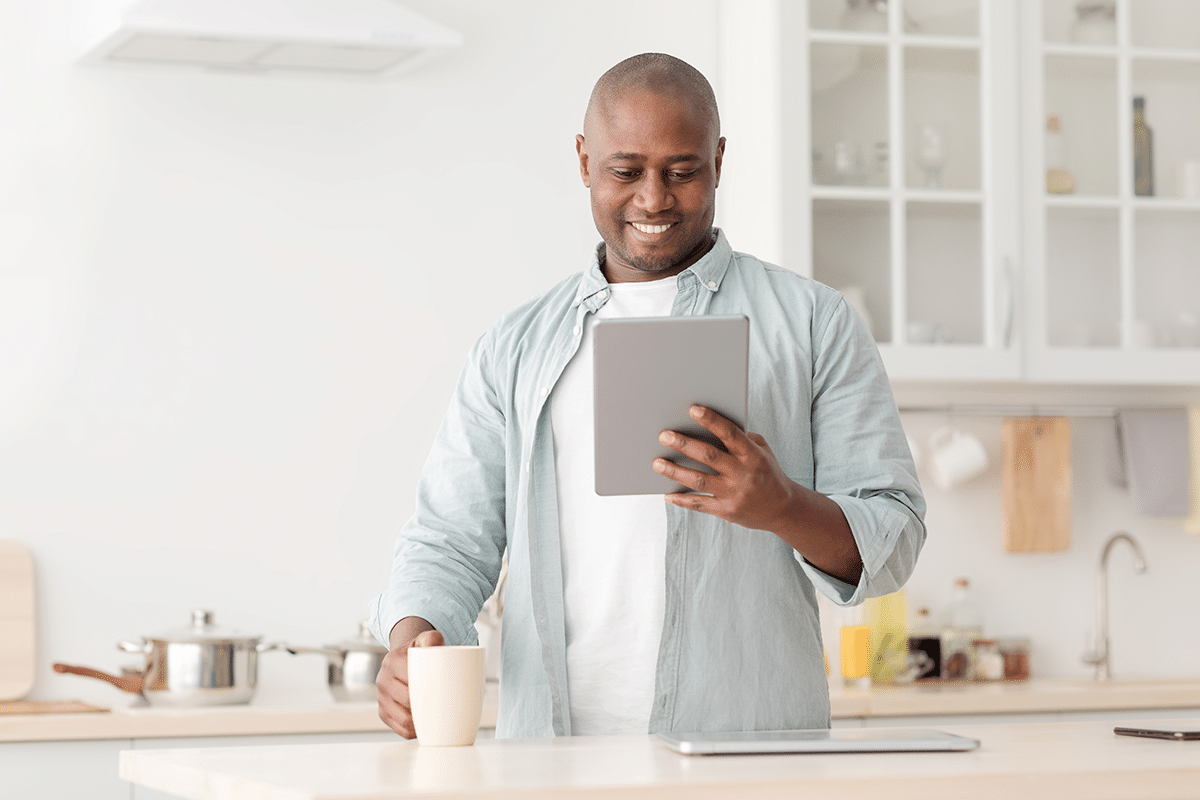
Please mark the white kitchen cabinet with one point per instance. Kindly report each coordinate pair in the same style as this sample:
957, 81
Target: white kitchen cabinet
82, 770
908, 201
969, 270
1113, 287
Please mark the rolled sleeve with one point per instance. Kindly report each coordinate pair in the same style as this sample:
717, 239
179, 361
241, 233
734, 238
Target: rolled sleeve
862, 462
448, 555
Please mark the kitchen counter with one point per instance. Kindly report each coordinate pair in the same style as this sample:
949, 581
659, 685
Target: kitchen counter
1014, 697
1031, 760
138, 720
320, 714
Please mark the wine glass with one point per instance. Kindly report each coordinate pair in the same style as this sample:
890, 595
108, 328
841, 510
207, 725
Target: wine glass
931, 150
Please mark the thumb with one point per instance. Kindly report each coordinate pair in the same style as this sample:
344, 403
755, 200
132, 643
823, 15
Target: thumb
428, 639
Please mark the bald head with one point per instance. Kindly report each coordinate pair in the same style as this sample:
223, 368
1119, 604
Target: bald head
657, 73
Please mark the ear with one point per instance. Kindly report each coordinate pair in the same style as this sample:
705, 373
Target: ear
720, 156
581, 150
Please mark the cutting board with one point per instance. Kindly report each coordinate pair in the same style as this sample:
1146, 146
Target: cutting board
48, 707
16, 620
1035, 469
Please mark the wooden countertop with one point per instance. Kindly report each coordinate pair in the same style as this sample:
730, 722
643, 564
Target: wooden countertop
1031, 760
320, 714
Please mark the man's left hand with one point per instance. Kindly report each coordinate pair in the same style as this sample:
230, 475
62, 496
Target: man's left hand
749, 488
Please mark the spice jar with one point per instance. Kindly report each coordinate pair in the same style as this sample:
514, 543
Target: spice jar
989, 664
1015, 653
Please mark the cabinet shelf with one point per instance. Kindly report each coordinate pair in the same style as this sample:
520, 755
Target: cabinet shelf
966, 267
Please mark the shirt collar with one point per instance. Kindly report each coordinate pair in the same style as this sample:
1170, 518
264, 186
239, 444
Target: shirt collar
709, 270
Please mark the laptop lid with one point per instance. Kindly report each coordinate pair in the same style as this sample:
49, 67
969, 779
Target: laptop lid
835, 740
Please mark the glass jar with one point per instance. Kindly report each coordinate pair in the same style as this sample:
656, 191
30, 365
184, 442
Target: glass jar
989, 664
1015, 652
1095, 22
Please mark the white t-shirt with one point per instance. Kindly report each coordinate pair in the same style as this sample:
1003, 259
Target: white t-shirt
613, 549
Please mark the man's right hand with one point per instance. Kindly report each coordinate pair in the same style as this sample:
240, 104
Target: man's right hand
392, 681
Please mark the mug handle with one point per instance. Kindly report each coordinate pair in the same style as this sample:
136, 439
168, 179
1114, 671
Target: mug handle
941, 437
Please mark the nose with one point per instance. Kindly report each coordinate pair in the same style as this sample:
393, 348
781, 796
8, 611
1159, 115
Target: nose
654, 194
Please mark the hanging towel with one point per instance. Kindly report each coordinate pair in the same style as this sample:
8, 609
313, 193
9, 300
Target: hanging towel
1158, 460
1192, 524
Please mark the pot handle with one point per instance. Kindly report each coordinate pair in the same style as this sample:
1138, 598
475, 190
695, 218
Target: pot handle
263, 647
332, 653
134, 647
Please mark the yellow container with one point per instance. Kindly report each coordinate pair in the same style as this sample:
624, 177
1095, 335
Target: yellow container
885, 616
856, 651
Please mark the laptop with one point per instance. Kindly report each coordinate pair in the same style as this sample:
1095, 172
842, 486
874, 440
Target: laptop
835, 740
648, 371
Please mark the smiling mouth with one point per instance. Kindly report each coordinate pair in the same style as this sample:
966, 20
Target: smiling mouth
645, 228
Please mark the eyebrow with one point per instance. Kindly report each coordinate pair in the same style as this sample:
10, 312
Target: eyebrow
623, 156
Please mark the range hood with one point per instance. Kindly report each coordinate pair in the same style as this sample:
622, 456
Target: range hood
373, 38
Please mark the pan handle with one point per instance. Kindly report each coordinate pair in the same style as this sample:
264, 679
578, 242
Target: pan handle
127, 683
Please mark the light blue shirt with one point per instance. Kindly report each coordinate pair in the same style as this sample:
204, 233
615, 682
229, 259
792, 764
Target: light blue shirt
741, 644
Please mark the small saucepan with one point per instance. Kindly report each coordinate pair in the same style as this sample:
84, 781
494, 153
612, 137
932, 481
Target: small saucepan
353, 665
199, 664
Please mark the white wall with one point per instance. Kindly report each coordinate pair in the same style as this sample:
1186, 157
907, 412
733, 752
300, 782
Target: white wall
232, 308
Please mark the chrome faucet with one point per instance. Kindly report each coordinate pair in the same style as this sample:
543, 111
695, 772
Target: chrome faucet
1099, 657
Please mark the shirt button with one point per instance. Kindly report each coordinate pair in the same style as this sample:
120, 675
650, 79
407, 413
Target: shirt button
578, 298
576, 330
603, 294
712, 284
545, 391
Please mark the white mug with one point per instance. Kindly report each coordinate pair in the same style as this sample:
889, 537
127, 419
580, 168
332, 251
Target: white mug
445, 689
955, 457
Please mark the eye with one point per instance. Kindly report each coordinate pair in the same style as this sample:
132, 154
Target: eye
682, 175
625, 174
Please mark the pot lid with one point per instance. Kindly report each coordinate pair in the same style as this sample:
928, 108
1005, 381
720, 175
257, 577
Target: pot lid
202, 629
364, 641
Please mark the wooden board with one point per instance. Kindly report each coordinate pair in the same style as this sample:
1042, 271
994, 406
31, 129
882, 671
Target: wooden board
1035, 469
16, 621
47, 707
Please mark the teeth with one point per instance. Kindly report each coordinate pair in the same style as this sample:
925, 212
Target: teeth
650, 228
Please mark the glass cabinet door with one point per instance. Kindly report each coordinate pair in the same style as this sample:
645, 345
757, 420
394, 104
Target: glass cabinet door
911, 184
1112, 206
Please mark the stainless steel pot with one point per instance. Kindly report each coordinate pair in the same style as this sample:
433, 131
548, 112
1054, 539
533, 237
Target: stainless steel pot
353, 665
199, 664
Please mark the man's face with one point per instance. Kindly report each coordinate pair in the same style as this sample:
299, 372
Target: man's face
652, 164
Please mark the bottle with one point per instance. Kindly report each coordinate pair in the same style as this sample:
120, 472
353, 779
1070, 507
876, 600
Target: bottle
965, 613
885, 616
1143, 151
1059, 180
855, 649
965, 625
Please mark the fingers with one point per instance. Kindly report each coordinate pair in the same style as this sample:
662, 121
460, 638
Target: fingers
723, 428
393, 702
429, 639
395, 708
693, 479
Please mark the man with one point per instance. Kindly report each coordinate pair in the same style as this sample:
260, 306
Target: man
631, 614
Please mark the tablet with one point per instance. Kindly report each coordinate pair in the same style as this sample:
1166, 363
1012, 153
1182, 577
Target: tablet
648, 371
836, 740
